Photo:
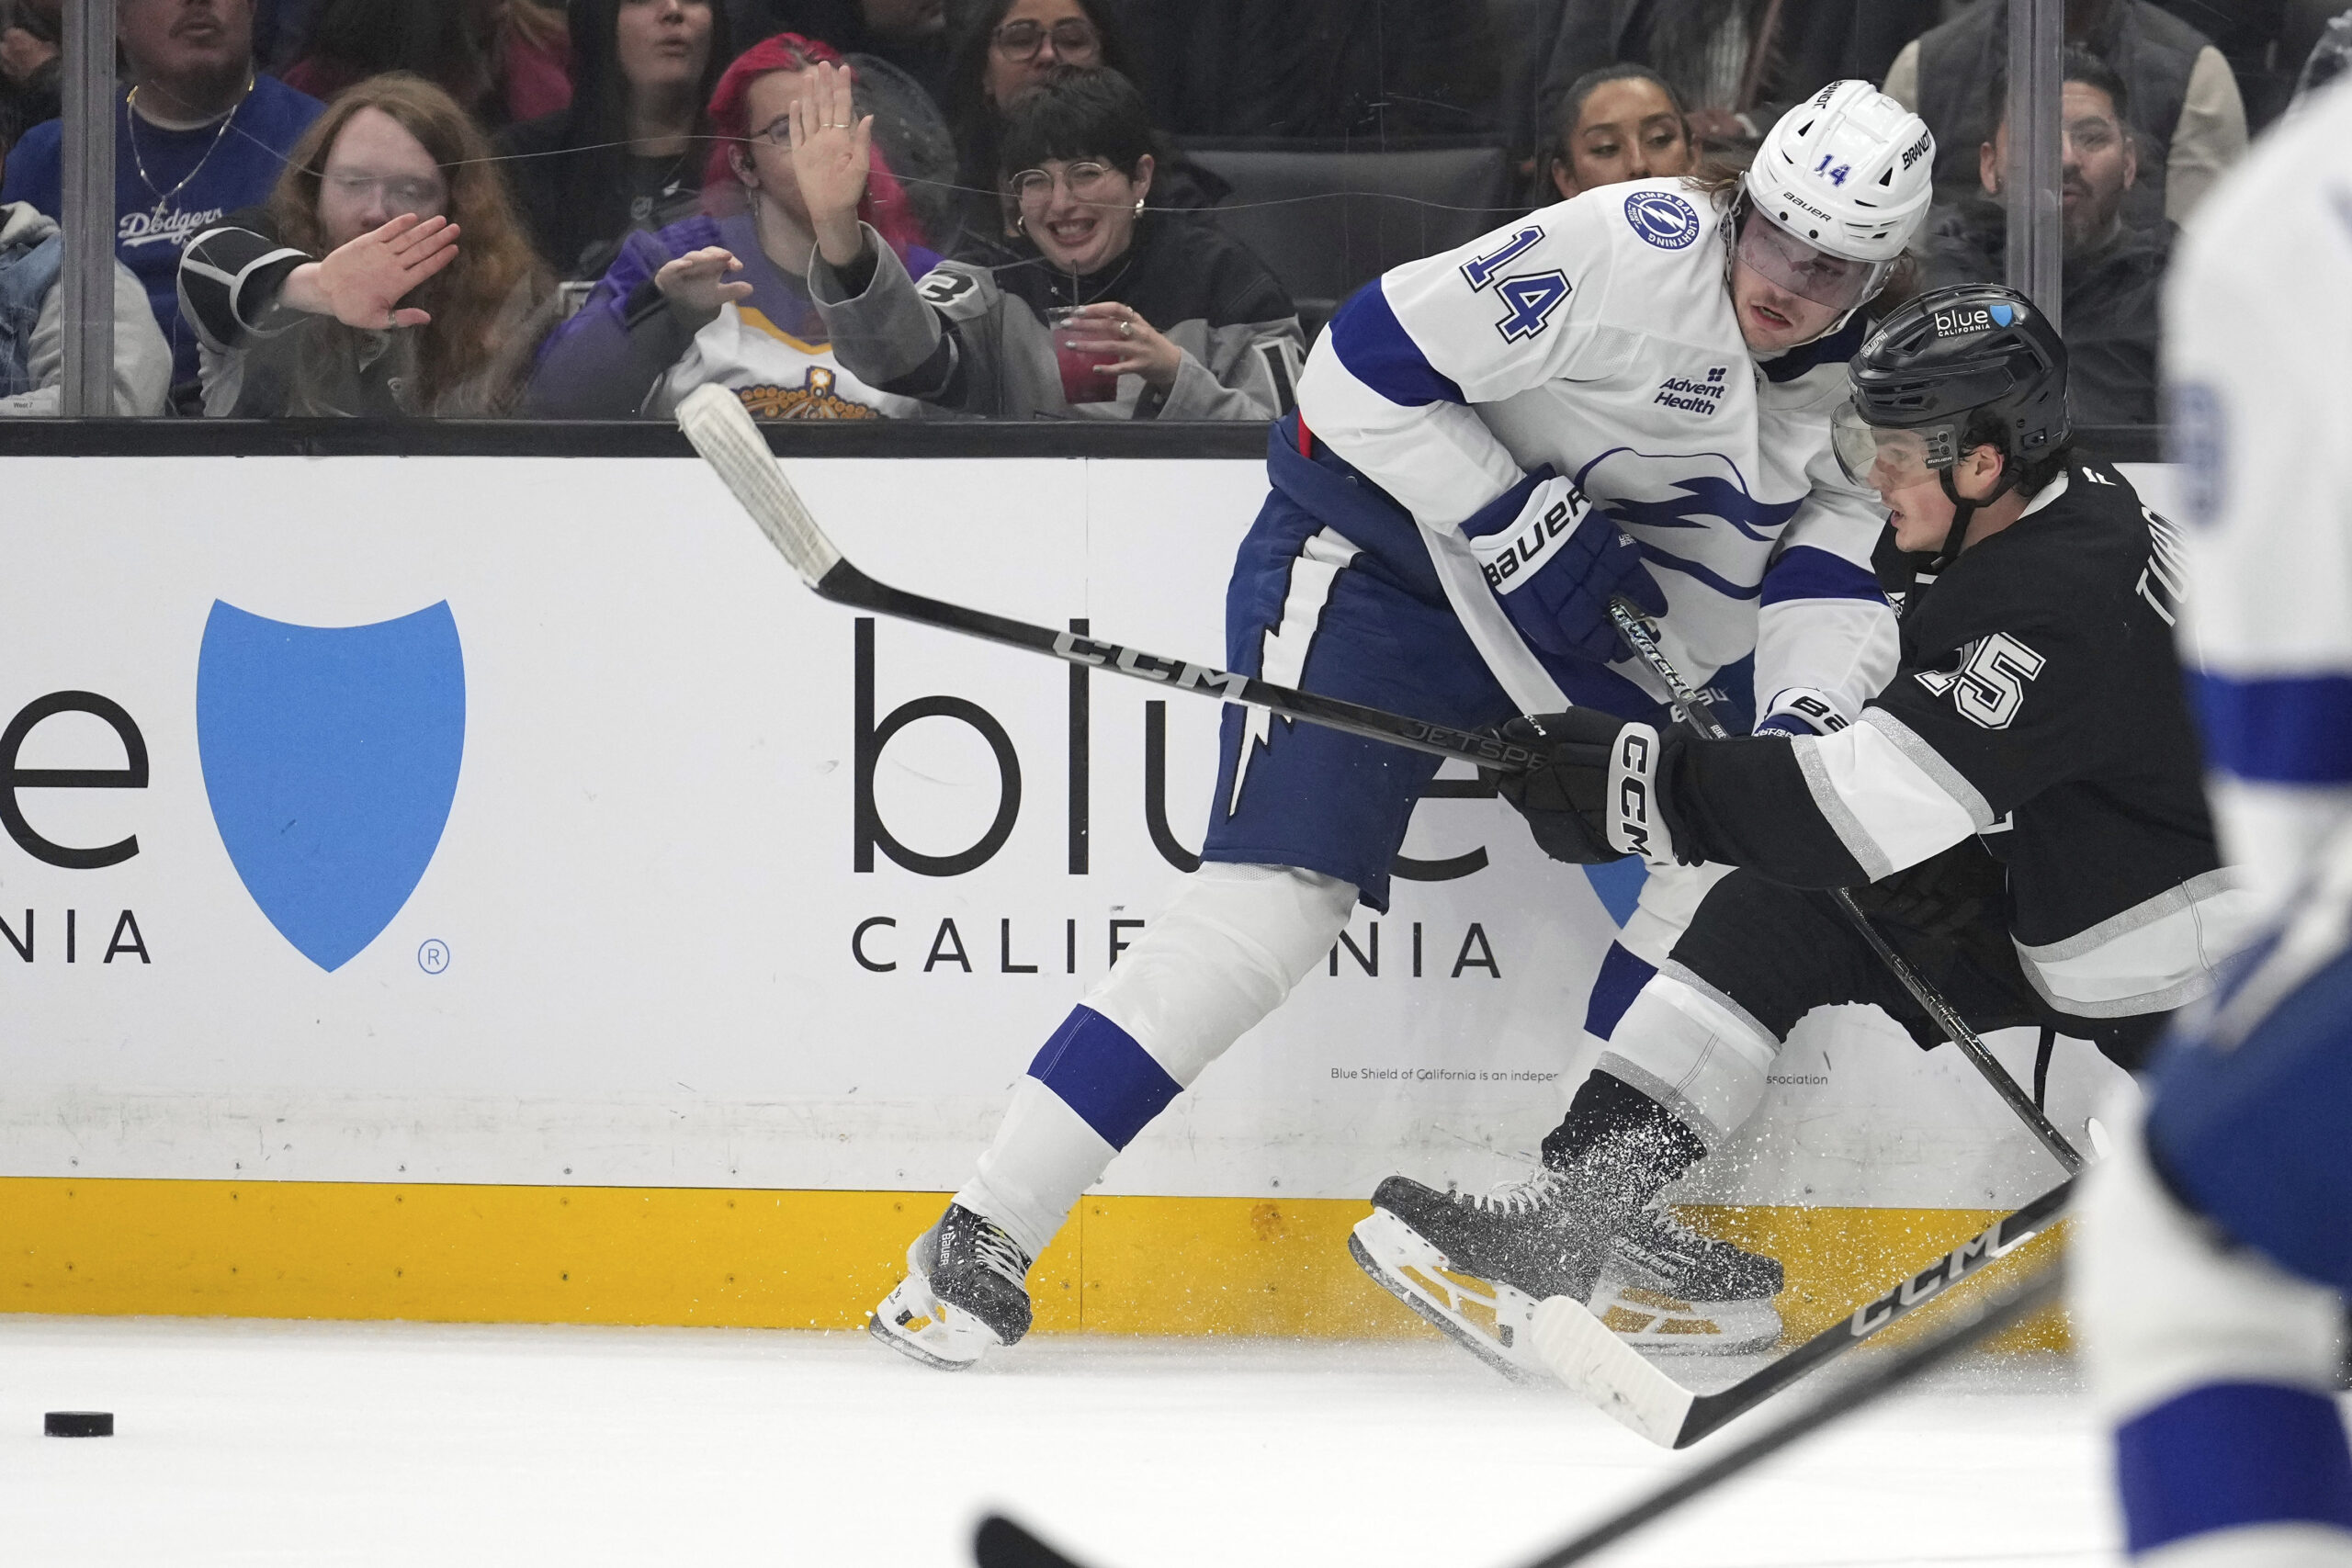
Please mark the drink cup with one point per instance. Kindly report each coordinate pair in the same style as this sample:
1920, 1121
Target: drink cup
1079, 359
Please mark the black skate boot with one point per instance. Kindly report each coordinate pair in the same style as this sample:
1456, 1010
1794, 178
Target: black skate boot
1670, 1290
1474, 1267
1588, 1225
966, 1289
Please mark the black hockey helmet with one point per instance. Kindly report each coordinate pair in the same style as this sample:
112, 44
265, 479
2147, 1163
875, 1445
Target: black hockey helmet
1974, 356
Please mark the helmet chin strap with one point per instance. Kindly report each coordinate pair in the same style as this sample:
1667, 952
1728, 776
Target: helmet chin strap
1963, 513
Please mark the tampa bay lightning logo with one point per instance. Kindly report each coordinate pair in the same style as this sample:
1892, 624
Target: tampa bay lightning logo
1662, 217
1702, 491
330, 756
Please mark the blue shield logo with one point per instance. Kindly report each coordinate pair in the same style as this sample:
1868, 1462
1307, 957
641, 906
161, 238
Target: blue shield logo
2003, 315
331, 759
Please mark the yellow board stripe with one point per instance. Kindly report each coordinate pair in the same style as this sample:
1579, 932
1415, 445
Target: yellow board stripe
717, 1256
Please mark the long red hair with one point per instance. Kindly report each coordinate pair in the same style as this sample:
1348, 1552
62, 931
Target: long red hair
885, 204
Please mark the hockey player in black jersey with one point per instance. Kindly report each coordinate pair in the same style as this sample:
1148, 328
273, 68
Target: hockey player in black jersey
2023, 801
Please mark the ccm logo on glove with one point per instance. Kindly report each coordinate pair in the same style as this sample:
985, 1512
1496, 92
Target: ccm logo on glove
1635, 825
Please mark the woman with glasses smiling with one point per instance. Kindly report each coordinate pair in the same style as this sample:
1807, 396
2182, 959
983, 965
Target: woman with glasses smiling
350, 292
1108, 310
1007, 47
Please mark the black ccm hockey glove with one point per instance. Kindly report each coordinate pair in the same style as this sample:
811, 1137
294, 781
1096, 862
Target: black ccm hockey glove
1594, 797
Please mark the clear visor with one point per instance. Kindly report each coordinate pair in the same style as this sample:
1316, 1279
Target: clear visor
1884, 459
1787, 262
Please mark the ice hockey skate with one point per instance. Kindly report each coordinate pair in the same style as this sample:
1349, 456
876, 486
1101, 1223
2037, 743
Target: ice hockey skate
967, 1290
1476, 1267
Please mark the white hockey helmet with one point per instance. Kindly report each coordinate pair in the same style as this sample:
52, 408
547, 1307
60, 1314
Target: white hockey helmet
1849, 170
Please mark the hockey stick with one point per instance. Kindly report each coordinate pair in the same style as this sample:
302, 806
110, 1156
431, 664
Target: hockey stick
1003, 1543
715, 421
1702, 715
1593, 1362
2035, 1291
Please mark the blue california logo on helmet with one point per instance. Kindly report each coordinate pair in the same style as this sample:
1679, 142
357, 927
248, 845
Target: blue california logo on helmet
1962, 319
1663, 219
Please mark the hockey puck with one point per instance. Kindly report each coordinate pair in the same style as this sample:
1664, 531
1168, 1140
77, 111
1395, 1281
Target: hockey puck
78, 1424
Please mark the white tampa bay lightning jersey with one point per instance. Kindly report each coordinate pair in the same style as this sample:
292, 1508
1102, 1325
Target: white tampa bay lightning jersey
2257, 343
1598, 336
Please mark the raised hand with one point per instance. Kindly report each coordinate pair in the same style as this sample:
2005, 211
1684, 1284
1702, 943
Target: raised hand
362, 282
696, 283
831, 151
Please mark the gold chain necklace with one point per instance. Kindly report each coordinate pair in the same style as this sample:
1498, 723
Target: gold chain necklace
163, 198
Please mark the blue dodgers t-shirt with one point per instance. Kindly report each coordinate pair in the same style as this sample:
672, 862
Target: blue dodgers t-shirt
239, 171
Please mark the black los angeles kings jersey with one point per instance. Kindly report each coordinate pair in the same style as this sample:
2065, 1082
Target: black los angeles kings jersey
2039, 704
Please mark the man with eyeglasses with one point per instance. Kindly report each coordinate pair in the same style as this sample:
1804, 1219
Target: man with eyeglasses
201, 134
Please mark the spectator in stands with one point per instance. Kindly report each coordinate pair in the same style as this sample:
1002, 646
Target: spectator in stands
2187, 120
910, 35
2112, 272
32, 35
1116, 313
629, 152
32, 331
1736, 64
724, 297
1621, 123
1008, 47
503, 60
350, 293
201, 134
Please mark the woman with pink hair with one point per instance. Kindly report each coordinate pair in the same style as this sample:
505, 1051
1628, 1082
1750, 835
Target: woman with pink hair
724, 298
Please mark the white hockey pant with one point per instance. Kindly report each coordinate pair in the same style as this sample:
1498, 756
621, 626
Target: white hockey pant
1224, 954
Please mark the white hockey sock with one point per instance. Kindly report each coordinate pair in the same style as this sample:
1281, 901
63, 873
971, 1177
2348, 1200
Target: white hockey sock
1694, 1050
1223, 955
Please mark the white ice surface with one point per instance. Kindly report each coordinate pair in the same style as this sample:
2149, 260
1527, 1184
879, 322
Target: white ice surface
245, 1442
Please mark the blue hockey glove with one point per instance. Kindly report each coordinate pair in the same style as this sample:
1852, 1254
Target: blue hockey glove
1555, 561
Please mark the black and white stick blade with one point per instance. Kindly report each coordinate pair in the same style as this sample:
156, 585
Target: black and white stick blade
1001, 1543
716, 422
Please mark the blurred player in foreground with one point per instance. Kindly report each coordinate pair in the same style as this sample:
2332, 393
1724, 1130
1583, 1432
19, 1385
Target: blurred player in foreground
2215, 1248
2024, 798
1628, 392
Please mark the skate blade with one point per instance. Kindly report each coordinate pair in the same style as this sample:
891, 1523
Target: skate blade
924, 1329
1493, 1322
1660, 1325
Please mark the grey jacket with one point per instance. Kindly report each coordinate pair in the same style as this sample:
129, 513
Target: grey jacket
142, 360
974, 340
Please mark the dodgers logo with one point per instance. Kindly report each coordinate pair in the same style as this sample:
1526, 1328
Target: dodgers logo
1662, 217
330, 758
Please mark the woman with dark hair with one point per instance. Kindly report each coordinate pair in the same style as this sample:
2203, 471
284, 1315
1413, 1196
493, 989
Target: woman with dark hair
724, 297
630, 151
1008, 47
1619, 123
348, 292
1110, 312
503, 60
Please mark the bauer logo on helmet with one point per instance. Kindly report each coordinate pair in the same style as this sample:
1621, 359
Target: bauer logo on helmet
1663, 219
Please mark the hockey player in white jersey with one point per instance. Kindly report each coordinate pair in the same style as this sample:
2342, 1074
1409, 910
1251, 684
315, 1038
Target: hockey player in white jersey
1626, 393
2214, 1253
